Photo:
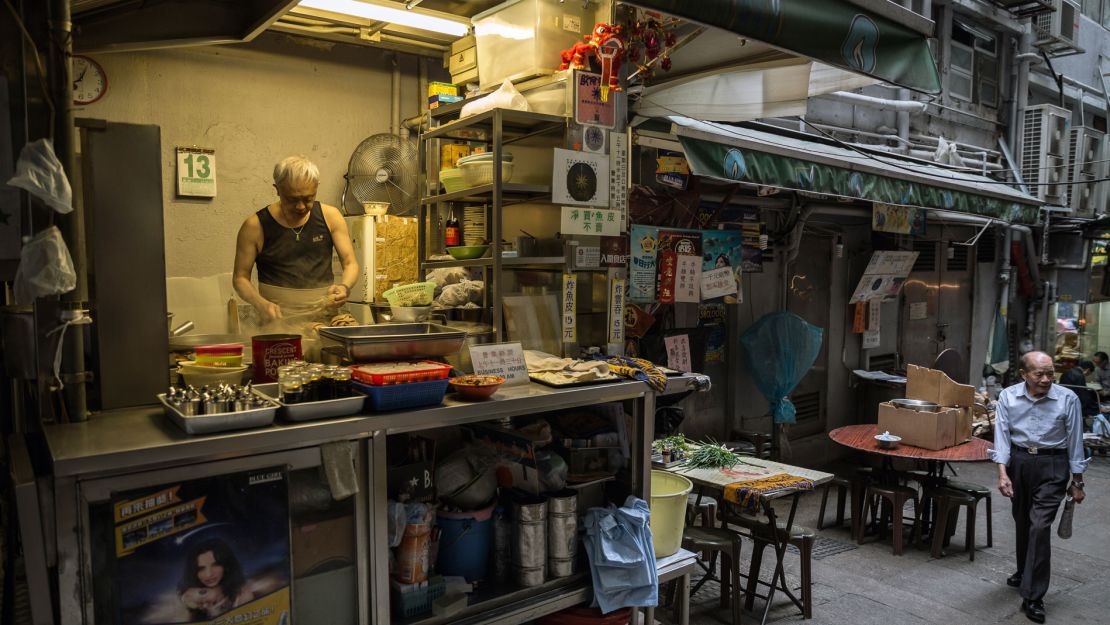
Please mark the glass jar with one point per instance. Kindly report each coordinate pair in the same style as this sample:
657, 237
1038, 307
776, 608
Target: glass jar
291, 387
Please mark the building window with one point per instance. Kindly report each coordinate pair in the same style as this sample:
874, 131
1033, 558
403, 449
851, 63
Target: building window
973, 65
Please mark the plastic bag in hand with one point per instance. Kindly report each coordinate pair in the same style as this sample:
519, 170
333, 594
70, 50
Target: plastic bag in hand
40, 173
506, 97
45, 267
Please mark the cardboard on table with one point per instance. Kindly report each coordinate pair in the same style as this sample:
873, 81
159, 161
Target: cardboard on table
931, 430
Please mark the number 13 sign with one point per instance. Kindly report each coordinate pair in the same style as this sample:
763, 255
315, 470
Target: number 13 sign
196, 172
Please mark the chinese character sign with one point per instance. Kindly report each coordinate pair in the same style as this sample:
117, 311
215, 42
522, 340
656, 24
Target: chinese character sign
678, 352
570, 287
616, 311
688, 279
589, 221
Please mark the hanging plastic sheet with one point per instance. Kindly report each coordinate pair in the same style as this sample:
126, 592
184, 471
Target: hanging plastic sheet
779, 349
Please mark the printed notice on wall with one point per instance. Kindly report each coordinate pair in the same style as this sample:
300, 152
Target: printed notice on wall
718, 283
884, 276
678, 352
874, 312
578, 220
196, 172
688, 279
570, 288
616, 311
919, 311
503, 359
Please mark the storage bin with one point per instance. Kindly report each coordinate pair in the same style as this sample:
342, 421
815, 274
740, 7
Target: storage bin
403, 396
419, 601
523, 38
465, 543
668, 511
419, 371
481, 172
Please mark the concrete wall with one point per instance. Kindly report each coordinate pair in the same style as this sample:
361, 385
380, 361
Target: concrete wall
254, 104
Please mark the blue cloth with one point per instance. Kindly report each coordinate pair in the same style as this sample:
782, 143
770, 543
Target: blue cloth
622, 556
1101, 426
1052, 421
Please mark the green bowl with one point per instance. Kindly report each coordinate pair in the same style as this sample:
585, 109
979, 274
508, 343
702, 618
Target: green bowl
467, 252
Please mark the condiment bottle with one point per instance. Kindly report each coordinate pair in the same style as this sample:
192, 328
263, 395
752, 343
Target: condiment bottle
342, 376
452, 235
292, 388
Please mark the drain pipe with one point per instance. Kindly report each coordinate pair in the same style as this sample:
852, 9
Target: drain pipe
395, 99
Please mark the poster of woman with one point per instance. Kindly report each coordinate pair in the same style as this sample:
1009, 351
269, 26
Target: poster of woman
204, 551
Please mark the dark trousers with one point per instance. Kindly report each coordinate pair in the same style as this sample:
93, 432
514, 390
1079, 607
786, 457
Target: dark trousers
1039, 483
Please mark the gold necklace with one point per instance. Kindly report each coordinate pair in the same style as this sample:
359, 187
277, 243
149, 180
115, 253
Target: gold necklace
298, 232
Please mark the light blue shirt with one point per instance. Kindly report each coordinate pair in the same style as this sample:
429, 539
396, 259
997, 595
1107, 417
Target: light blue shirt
1052, 421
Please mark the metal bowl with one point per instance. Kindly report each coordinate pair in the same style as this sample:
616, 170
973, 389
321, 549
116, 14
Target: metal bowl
886, 440
915, 404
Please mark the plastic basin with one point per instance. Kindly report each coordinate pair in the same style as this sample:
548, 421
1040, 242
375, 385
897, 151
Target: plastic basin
668, 511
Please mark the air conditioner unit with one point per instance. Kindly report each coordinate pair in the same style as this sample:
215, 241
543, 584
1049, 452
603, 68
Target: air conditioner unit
1044, 152
1087, 193
1058, 32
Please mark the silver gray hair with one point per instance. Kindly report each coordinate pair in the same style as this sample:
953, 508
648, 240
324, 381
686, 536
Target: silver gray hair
295, 168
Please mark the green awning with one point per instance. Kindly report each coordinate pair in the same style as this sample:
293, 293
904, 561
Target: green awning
836, 32
742, 154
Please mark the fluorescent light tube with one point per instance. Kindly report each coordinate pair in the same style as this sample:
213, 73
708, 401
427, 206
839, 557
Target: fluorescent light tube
382, 13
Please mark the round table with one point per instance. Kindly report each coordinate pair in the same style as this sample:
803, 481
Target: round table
862, 438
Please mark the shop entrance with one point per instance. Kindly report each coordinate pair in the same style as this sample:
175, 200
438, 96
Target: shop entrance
937, 305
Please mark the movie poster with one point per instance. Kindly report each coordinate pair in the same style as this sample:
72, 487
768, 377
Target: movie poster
209, 550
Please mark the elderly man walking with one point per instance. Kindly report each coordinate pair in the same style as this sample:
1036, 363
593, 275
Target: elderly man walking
1038, 445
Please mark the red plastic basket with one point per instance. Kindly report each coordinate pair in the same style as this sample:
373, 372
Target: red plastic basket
422, 371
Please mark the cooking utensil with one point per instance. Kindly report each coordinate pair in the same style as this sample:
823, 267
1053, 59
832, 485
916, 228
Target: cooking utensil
220, 422
467, 252
919, 405
395, 341
182, 329
409, 314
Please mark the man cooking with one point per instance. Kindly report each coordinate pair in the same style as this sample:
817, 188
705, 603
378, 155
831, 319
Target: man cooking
291, 241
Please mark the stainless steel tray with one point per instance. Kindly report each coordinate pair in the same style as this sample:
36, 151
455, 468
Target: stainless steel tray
308, 411
220, 422
395, 341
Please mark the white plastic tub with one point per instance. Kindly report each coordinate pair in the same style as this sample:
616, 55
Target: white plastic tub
522, 38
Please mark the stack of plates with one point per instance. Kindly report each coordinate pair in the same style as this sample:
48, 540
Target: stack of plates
474, 225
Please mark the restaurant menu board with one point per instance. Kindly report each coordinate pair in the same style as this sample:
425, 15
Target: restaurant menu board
884, 276
208, 550
570, 291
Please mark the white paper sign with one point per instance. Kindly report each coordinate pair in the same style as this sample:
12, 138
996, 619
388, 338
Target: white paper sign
196, 172
919, 311
583, 220
587, 256
718, 283
503, 359
884, 275
678, 352
687, 281
616, 311
871, 339
874, 313
570, 291
618, 176
580, 178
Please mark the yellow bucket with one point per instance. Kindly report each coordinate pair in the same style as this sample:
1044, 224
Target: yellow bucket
668, 511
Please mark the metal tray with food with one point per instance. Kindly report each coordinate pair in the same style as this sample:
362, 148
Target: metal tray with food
395, 341
220, 421
311, 410
556, 383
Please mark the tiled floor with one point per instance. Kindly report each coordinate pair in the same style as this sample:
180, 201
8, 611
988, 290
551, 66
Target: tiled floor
871, 585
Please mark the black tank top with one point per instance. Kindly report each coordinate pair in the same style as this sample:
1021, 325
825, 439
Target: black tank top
293, 262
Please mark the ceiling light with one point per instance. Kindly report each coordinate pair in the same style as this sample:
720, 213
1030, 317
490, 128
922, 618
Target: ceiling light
382, 13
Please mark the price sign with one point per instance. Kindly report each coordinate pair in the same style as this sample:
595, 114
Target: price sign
718, 283
570, 291
616, 311
503, 359
678, 352
196, 172
584, 220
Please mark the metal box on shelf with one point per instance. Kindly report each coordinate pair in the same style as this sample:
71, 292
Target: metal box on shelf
523, 38
463, 62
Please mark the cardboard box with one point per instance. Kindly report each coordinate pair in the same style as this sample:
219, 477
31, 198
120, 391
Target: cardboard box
318, 546
442, 88
463, 62
931, 430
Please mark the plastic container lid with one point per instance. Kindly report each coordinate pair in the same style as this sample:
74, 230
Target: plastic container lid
223, 349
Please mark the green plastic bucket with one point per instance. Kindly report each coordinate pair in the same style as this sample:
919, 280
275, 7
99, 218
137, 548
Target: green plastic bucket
668, 511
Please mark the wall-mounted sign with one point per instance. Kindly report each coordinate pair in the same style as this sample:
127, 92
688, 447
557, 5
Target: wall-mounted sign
196, 172
579, 220
897, 219
570, 292
589, 109
718, 283
884, 275
616, 311
580, 178
678, 352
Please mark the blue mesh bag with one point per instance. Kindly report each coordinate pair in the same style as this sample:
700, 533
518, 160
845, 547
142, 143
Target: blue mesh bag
779, 349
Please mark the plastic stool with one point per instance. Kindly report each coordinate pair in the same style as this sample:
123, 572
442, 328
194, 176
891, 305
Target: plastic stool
727, 542
980, 493
896, 497
948, 502
843, 487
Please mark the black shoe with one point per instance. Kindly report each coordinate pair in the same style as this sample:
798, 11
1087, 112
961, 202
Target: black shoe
1034, 610
1014, 580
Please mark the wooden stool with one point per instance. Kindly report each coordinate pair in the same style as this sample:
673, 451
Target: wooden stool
727, 542
979, 493
948, 502
896, 497
843, 487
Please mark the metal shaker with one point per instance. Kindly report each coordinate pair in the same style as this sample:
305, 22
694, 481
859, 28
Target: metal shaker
529, 553
562, 533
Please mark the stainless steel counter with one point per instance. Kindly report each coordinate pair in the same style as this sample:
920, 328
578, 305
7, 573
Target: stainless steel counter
127, 440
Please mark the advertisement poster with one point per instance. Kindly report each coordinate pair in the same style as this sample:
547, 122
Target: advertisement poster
681, 242
723, 248
588, 107
208, 550
614, 251
884, 276
641, 267
897, 219
712, 317
668, 270
752, 230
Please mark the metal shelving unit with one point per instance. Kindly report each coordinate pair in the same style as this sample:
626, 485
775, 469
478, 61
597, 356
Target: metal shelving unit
497, 128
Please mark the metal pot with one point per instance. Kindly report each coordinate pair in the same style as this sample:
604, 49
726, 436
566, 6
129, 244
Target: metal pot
919, 405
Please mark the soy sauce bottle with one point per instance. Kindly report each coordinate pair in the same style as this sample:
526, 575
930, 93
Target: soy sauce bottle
452, 235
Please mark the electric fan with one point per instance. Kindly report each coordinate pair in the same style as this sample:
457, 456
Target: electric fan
381, 177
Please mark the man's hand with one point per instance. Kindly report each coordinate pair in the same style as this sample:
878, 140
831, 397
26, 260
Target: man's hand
1077, 494
1005, 486
270, 311
337, 295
